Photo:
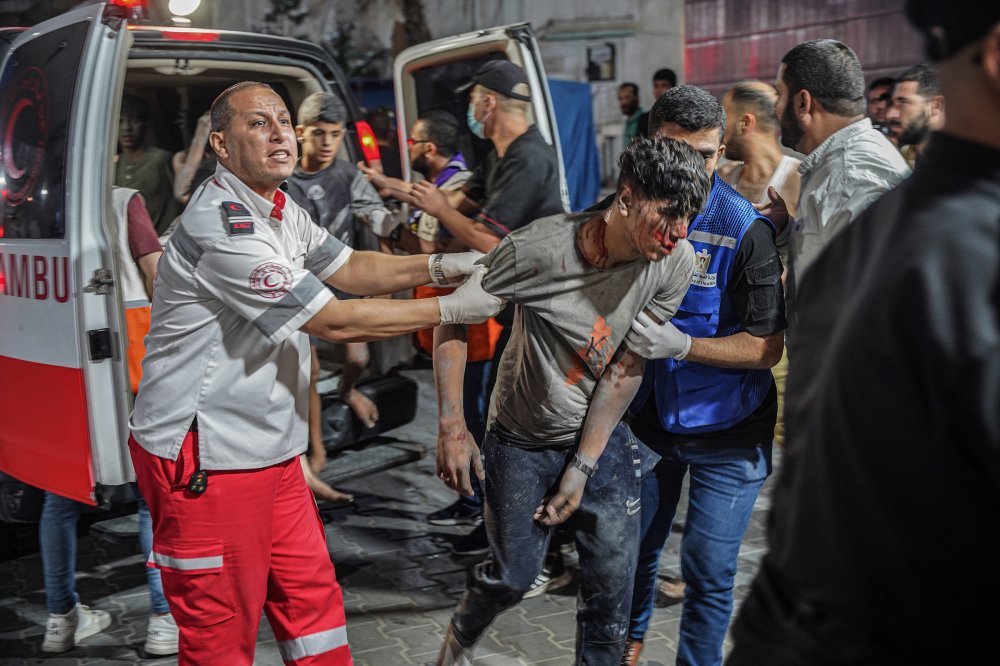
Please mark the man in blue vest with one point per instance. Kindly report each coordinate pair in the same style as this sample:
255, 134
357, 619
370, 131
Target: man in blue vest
708, 405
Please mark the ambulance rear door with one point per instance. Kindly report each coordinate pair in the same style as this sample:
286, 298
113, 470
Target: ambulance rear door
64, 396
425, 77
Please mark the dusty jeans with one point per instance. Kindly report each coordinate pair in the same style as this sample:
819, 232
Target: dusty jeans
519, 476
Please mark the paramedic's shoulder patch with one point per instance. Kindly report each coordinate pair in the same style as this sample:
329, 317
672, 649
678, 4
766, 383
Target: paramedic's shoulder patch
239, 221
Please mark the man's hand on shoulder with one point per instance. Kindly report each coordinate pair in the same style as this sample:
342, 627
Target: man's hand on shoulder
455, 450
451, 268
470, 303
658, 340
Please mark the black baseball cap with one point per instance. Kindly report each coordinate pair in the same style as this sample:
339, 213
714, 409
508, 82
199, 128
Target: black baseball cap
950, 25
501, 76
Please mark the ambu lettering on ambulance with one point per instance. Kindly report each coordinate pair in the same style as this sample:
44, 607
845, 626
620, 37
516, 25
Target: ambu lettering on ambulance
597, 349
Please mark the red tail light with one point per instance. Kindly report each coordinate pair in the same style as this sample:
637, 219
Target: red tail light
191, 35
138, 4
369, 144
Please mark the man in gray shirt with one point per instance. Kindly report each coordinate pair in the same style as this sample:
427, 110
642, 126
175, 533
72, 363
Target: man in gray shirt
554, 446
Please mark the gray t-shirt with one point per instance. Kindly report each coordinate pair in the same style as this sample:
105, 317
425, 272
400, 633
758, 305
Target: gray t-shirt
569, 321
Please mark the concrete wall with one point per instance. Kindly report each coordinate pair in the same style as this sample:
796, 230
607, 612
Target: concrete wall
732, 40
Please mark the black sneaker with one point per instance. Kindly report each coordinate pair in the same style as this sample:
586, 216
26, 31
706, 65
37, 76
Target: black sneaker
553, 576
473, 543
459, 513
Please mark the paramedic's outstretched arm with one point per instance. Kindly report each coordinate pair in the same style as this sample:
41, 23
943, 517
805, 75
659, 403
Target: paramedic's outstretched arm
456, 448
612, 395
363, 320
375, 273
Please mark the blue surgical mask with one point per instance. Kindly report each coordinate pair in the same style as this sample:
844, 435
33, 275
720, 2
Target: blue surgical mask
476, 126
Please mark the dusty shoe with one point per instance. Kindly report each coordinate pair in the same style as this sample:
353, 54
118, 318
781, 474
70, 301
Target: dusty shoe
452, 653
633, 649
552, 577
671, 588
161, 635
459, 513
473, 543
63, 632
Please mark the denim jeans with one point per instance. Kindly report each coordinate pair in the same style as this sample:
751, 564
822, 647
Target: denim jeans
605, 527
475, 403
57, 542
723, 487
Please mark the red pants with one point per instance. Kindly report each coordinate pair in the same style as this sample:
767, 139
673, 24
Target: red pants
253, 540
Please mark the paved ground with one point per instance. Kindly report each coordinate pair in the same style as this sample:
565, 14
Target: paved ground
400, 582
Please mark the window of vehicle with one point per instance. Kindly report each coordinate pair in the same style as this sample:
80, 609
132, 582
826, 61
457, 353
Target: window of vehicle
37, 88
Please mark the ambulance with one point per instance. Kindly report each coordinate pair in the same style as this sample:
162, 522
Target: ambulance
65, 302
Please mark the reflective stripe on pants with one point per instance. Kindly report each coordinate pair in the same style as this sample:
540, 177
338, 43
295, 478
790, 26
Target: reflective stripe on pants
253, 540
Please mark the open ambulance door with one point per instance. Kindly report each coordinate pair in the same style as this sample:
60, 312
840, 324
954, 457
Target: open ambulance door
425, 77
64, 391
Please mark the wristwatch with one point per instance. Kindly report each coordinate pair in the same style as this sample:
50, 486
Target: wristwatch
582, 466
437, 271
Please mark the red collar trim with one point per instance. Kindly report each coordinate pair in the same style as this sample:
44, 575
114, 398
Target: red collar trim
279, 205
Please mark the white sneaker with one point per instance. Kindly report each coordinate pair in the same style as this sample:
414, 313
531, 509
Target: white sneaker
548, 579
63, 632
161, 635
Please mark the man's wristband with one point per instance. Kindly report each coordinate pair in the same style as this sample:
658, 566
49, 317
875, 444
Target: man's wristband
582, 466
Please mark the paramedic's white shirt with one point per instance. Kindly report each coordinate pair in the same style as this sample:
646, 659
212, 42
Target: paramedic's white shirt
224, 343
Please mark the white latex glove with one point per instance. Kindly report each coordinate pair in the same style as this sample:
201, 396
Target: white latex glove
382, 222
469, 304
659, 340
446, 268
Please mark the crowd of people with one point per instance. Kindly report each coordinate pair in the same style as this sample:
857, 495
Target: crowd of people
587, 363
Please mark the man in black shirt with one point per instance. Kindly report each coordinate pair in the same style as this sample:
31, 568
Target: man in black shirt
892, 470
517, 182
709, 404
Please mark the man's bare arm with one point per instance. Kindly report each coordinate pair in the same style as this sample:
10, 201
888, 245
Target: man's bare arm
373, 273
363, 320
456, 449
147, 266
612, 395
741, 350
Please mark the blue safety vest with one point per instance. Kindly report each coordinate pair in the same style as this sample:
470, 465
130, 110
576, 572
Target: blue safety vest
692, 397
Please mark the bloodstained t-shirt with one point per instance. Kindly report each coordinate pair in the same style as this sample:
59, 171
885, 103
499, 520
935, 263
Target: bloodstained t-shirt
570, 319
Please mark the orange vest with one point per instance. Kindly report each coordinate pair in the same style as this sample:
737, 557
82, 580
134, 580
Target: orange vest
481, 338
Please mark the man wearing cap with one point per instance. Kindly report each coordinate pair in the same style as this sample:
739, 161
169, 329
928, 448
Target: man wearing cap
220, 417
517, 182
892, 474
821, 109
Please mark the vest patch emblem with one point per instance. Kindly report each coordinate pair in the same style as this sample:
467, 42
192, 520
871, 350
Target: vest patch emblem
701, 276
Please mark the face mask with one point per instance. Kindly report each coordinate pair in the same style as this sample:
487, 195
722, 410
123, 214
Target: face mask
476, 126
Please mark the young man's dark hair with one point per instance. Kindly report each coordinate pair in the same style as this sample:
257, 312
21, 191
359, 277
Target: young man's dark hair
222, 112
691, 107
664, 169
749, 96
832, 74
881, 82
631, 86
322, 107
666, 74
925, 78
135, 107
442, 129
